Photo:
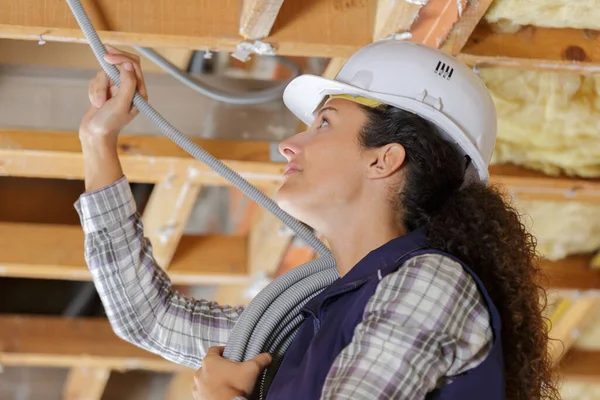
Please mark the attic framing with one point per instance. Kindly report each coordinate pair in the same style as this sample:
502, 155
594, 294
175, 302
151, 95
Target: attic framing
233, 261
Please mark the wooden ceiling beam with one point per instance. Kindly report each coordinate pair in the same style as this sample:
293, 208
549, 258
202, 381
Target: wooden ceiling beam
575, 318
24, 342
152, 159
571, 273
464, 27
59, 254
551, 49
395, 17
528, 184
581, 365
342, 27
145, 159
85, 383
258, 17
166, 215
72, 342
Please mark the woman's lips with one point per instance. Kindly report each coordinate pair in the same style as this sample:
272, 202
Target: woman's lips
290, 169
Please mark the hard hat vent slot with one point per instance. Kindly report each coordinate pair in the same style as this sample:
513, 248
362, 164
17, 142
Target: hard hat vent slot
444, 70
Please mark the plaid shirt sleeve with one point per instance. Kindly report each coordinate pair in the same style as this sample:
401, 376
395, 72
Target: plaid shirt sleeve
136, 293
425, 322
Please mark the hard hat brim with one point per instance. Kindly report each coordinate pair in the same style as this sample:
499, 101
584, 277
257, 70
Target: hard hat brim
305, 93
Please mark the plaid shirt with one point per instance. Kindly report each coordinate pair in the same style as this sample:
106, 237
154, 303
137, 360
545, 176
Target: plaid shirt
430, 307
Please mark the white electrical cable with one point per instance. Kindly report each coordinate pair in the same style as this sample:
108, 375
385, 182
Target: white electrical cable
271, 320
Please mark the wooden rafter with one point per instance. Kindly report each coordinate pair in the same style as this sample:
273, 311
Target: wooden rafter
464, 27
258, 17
394, 17
581, 365
552, 49
85, 383
563, 333
528, 184
24, 342
166, 215
342, 27
145, 159
152, 159
79, 342
59, 255
571, 273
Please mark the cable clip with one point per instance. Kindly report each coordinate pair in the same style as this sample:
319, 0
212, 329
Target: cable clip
41, 42
244, 49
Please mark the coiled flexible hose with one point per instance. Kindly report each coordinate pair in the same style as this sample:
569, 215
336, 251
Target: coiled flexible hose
270, 321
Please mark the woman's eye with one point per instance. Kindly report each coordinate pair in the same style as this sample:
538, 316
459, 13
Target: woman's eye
324, 123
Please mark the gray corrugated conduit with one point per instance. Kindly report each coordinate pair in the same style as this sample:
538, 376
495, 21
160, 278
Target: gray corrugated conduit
271, 320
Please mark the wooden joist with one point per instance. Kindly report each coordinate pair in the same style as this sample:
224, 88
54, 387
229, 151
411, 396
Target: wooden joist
166, 215
24, 342
155, 158
563, 333
74, 343
343, 27
552, 49
528, 184
581, 365
571, 273
85, 383
258, 17
145, 159
394, 17
463, 28
59, 254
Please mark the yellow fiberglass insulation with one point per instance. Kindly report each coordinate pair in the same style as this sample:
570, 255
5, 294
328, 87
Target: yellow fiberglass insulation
582, 14
562, 228
549, 121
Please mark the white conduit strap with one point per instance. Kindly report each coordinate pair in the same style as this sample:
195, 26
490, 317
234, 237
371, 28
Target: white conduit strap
270, 321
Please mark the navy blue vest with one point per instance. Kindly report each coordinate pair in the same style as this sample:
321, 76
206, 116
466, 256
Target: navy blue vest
332, 316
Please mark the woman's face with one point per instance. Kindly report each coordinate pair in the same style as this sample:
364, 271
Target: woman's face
326, 166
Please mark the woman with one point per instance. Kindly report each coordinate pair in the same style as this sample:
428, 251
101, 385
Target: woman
437, 297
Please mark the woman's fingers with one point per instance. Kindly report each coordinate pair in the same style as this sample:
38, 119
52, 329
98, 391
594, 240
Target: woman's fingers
120, 58
98, 89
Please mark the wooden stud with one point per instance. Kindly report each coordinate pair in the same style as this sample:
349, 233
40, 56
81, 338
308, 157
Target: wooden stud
563, 333
76, 342
393, 17
85, 383
59, 255
258, 17
166, 215
463, 28
552, 49
343, 27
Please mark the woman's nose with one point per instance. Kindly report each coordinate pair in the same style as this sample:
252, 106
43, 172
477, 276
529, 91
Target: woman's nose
289, 147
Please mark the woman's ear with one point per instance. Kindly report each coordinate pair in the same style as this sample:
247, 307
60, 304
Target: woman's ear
385, 161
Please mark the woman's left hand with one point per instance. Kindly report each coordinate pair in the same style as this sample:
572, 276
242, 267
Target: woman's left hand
223, 379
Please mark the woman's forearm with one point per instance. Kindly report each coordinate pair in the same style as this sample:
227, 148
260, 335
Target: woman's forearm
101, 161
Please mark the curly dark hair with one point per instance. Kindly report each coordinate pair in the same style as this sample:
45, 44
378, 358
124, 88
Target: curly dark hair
476, 225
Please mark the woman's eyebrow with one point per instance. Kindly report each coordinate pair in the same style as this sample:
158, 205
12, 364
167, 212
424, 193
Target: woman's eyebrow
322, 110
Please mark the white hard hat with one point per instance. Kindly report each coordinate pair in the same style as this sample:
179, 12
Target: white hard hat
416, 78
